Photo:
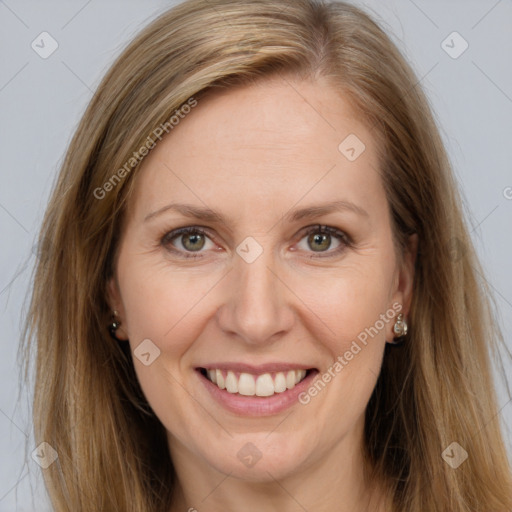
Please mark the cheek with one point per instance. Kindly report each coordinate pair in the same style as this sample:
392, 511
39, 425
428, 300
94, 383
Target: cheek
352, 317
347, 304
167, 307
165, 304
349, 314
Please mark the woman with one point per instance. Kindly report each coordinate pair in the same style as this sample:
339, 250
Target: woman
247, 296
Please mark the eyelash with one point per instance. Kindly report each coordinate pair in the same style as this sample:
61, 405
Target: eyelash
345, 240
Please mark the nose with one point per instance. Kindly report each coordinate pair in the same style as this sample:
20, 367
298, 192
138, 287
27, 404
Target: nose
256, 306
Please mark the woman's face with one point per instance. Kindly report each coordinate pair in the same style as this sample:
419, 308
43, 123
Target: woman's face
293, 272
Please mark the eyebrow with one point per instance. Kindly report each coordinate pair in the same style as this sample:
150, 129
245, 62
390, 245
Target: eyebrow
207, 214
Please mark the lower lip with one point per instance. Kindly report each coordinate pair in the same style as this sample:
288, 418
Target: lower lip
256, 405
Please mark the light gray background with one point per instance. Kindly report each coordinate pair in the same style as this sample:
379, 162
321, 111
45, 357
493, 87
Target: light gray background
41, 101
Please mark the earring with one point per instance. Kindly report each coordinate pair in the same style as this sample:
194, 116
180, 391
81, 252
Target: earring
114, 325
400, 329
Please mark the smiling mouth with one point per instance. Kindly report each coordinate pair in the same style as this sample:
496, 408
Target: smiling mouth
261, 385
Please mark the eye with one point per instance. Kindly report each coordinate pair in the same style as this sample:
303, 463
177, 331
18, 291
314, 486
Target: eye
320, 238
191, 239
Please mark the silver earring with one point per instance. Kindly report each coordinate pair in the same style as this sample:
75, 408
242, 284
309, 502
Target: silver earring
400, 329
113, 326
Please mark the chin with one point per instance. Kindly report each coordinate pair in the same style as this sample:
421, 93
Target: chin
259, 458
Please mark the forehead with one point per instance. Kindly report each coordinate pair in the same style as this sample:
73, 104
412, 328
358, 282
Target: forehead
278, 140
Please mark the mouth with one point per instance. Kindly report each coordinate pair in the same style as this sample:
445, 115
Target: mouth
247, 391
250, 384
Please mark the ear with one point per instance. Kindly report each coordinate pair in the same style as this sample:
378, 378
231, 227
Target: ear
116, 304
405, 278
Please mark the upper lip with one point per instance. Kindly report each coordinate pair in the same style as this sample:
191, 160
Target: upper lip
256, 369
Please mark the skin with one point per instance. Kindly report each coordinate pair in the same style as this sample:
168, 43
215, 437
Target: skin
254, 153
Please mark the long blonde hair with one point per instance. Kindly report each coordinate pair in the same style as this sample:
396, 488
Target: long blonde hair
435, 390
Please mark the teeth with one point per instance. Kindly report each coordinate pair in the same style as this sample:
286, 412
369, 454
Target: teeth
212, 375
248, 384
264, 385
220, 380
280, 383
290, 380
231, 383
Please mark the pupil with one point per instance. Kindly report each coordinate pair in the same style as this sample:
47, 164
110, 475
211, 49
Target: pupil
194, 238
319, 238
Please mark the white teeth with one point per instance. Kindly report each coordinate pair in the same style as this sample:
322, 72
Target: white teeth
299, 375
264, 385
220, 380
280, 383
231, 383
248, 384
